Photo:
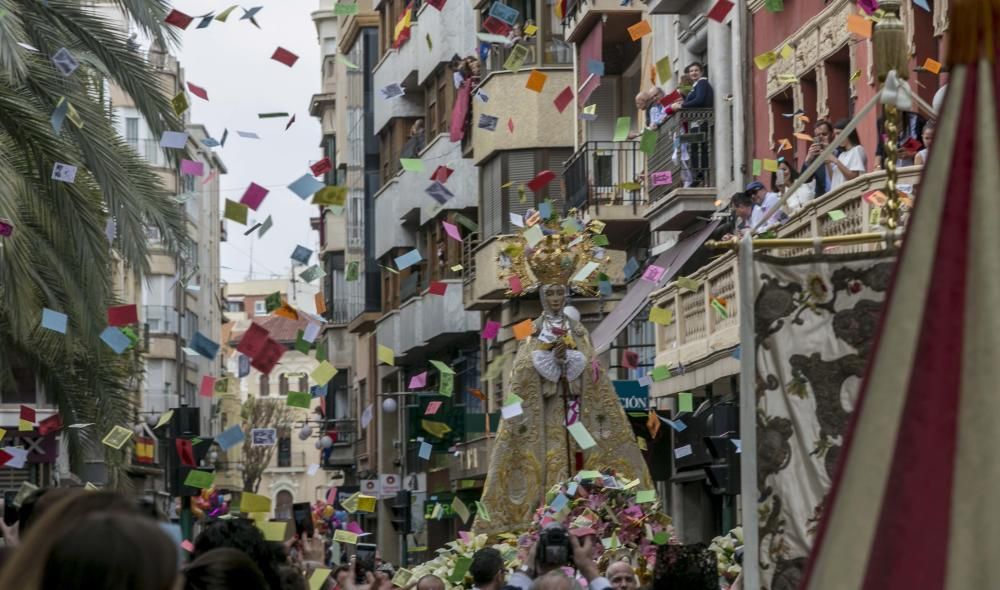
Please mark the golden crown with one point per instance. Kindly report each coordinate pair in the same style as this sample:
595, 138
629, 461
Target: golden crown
556, 250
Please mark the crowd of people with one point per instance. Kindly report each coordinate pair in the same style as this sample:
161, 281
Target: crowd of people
68, 538
847, 162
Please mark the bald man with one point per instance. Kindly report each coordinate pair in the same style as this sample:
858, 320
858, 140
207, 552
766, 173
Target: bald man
622, 576
430, 582
555, 580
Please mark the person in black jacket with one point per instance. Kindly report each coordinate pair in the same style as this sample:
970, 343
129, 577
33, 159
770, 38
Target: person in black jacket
701, 95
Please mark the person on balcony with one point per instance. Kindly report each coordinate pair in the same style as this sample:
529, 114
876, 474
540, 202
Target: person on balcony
766, 201
822, 136
852, 160
928, 137
655, 113
783, 179
747, 215
701, 95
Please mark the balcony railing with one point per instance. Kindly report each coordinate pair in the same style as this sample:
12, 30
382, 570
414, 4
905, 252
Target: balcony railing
699, 329
605, 173
550, 51
469, 257
684, 148
160, 319
149, 150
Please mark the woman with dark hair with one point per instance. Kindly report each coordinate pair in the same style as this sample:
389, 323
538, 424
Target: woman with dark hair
783, 179
222, 569
852, 160
93, 540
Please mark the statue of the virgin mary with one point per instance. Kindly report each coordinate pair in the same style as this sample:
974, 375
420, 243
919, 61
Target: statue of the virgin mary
558, 379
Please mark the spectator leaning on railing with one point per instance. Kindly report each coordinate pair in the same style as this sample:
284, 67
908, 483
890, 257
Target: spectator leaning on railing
765, 201
784, 178
701, 96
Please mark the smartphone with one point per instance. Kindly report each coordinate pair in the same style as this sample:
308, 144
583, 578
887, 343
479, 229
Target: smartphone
302, 514
364, 560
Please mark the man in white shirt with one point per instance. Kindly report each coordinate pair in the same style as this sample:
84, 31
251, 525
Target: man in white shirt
765, 201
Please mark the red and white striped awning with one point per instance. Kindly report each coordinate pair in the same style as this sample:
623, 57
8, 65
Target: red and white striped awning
915, 501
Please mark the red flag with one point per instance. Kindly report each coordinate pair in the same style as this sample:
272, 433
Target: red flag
207, 386
720, 10
28, 414
541, 180
185, 451
268, 357
253, 340
198, 91
437, 288
442, 174
123, 315
285, 56
50, 424
321, 167
178, 19
562, 101
4, 457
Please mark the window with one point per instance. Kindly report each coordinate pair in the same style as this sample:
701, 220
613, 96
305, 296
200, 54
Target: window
283, 385
132, 130
283, 505
265, 385
285, 450
20, 388
234, 306
439, 99
259, 308
513, 169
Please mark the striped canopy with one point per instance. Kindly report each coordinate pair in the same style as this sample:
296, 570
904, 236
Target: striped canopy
914, 503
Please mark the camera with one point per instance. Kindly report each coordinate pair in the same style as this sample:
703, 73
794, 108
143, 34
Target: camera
553, 547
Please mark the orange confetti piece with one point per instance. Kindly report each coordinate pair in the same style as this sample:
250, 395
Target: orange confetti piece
639, 30
859, 25
932, 66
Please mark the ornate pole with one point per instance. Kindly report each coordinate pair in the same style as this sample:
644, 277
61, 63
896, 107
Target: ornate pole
889, 40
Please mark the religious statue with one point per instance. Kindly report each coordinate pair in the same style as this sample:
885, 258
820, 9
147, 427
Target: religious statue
570, 418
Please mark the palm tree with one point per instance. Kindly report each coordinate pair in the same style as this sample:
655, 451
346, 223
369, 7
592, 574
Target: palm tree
59, 255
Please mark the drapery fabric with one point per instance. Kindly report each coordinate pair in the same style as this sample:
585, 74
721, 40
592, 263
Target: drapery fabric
814, 321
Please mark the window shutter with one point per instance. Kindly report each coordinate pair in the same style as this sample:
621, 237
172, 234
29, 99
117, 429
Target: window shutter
604, 96
491, 210
521, 169
556, 162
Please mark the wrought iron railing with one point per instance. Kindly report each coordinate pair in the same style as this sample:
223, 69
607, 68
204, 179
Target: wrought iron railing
548, 51
469, 245
684, 147
603, 173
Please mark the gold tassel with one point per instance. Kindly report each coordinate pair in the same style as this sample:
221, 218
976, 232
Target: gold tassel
972, 31
889, 40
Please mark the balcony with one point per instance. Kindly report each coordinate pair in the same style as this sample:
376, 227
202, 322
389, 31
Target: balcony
425, 320
699, 333
453, 31
484, 290
542, 52
684, 148
342, 453
403, 198
536, 122
597, 183
582, 15
160, 319
399, 66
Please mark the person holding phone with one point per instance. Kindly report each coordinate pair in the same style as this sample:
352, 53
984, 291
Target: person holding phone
822, 136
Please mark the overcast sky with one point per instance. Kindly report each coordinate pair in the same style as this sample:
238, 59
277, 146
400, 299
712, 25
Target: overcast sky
232, 62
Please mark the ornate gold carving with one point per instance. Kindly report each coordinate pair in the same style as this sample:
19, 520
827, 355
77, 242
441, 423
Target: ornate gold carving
822, 93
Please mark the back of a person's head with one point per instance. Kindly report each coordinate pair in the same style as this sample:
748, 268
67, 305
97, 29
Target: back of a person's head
430, 582
685, 567
485, 564
222, 569
555, 580
292, 578
93, 540
241, 534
